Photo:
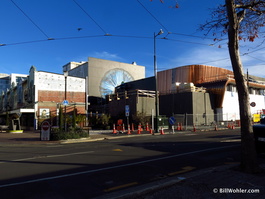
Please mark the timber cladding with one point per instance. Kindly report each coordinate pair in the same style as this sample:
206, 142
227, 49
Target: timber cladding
196, 74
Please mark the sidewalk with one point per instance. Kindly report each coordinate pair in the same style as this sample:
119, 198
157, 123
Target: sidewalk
29, 137
218, 182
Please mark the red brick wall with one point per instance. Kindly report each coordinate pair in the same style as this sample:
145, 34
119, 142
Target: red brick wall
58, 96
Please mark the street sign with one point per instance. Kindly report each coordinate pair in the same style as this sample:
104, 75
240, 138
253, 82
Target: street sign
172, 120
127, 110
65, 103
45, 130
253, 104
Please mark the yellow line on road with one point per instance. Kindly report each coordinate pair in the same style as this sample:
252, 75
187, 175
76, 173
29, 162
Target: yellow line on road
116, 150
120, 187
184, 170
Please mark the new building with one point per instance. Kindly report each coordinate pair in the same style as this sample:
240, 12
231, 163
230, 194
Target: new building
207, 92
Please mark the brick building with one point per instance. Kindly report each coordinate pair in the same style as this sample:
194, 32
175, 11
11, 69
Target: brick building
40, 96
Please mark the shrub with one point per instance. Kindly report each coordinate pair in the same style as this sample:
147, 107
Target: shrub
68, 135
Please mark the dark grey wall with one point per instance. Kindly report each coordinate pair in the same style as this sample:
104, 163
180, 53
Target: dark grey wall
197, 103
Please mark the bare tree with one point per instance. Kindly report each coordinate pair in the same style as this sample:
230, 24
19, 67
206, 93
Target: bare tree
241, 20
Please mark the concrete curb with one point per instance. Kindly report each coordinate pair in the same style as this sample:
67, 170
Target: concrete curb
140, 190
70, 141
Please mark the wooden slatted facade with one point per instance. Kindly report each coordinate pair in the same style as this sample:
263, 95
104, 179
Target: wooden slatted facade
196, 74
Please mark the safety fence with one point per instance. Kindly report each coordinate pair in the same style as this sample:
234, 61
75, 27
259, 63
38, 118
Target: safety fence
203, 122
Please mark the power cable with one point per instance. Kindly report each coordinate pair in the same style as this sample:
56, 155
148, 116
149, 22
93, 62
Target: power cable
51, 39
190, 42
89, 36
89, 16
254, 57
187, 35
30, 20
153, 16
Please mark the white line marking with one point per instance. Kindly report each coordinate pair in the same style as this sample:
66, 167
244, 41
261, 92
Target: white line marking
114, 167
48, 156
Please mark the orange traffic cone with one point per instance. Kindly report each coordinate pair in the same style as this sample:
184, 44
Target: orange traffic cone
147, 127
215, 128
151, 131
162, 131
129, 130
139, 129
181, 127
123, 128
114, 129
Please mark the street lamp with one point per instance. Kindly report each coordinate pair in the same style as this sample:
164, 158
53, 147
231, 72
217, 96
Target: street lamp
155, 71
65, 97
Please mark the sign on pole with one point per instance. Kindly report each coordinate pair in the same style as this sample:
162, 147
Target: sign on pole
172, 120
253, 104
45, 130
65, 103
127, 110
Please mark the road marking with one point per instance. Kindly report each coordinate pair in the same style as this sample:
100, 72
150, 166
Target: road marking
115, 167
120, 187
184, 170
46, 156
116, 150
235, 140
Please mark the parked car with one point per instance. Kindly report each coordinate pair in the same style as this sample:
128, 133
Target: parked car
259, 135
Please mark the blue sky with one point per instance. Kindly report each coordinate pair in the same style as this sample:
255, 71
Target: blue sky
78, 28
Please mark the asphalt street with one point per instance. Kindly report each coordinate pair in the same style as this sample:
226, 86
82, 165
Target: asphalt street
93, 169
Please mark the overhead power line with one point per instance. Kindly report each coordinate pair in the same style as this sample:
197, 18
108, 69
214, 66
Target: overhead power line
51, 39
30, 20
155, 18
89, 16
105, 35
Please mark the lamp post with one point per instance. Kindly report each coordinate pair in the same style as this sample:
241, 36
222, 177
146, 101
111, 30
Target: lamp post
65, 97
155, 71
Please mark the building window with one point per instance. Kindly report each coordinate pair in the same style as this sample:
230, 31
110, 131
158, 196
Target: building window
231, 87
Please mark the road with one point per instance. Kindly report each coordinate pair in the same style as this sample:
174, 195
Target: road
87, 170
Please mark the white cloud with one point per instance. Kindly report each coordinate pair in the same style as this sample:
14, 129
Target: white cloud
106, 55
204, 55
219, 57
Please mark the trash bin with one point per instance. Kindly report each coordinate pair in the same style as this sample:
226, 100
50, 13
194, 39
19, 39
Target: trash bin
259, 135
